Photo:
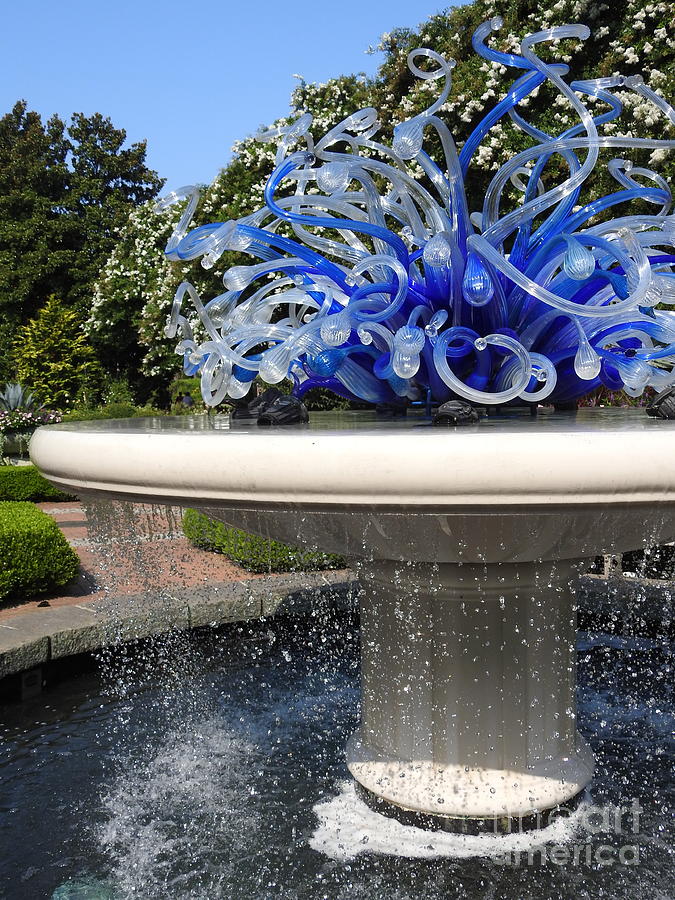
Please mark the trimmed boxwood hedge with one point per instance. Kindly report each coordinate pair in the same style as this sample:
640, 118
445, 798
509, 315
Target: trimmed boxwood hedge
26, 483
253, 553
120, 409
34, 555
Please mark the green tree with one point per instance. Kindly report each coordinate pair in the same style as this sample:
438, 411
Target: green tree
106, 181
54, 358
65, 194
34, 255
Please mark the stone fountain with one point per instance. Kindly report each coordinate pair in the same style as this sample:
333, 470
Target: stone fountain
468, 625
466, 539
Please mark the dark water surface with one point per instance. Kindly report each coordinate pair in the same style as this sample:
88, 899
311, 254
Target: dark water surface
190, 768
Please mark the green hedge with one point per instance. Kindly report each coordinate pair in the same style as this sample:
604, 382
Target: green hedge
26, 483
34, 555
117, 410
253, 553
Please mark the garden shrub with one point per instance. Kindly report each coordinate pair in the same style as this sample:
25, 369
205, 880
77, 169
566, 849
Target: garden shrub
253, 553
26, 483
118, 390
53, 356
85, 414
34, 555
181, 386
117, 410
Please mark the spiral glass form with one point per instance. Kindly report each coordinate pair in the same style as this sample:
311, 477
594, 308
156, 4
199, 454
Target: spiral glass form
376, 284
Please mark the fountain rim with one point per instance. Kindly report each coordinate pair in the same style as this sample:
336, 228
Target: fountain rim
429, 470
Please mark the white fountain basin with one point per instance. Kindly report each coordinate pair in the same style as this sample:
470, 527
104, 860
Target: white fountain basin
504, 490
465, 539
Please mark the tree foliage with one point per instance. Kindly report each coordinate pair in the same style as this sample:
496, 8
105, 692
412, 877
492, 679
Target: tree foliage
65, 193
34, 255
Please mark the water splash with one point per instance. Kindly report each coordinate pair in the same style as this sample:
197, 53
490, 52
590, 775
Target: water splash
167, 807
348, 827
289, 718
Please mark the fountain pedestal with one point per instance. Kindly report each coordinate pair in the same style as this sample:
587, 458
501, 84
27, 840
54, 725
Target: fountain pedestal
469, 676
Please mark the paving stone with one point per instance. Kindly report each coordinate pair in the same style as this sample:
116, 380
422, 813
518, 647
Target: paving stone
26, 641
299, 592
216, 604
74, 630
135, 617
22, 646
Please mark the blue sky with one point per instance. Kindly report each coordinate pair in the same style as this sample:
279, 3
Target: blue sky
190, 77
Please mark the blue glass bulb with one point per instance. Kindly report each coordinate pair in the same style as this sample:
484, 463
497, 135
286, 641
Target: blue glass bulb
477, 285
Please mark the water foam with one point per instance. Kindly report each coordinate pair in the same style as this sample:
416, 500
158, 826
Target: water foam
348, 827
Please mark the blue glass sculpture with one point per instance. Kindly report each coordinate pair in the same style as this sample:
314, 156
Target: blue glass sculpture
375, 284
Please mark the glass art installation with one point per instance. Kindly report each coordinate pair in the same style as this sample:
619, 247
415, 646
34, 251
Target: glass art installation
374, 280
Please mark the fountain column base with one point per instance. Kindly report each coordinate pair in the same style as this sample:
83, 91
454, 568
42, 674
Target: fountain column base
468, 685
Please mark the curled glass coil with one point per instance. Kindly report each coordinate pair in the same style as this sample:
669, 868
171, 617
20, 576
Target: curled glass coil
377, 284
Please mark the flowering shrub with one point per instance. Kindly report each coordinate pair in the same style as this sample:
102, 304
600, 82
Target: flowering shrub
628, 37
21, 421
